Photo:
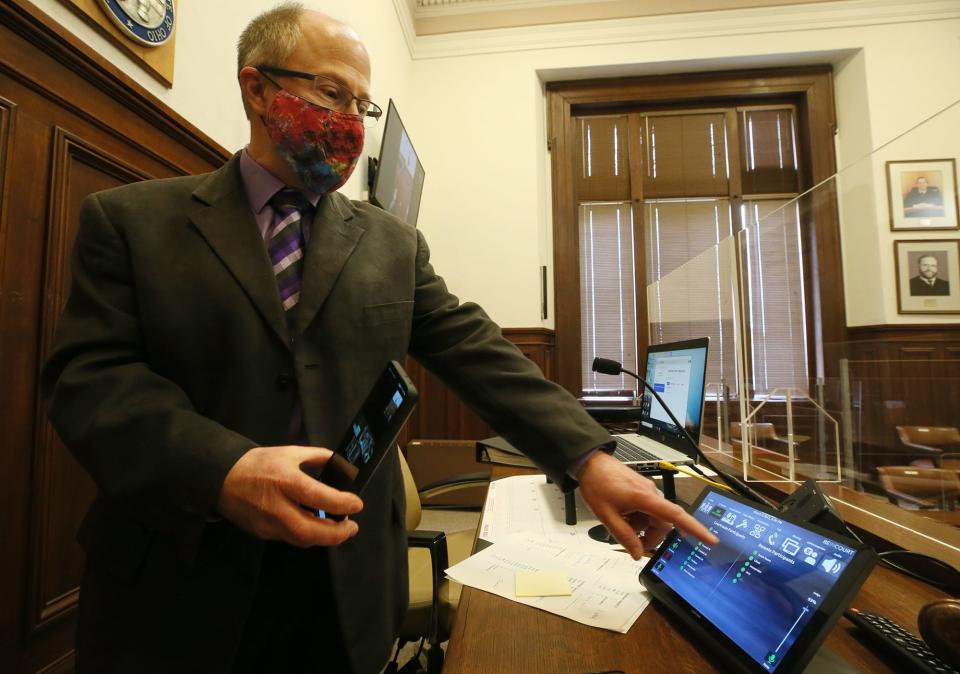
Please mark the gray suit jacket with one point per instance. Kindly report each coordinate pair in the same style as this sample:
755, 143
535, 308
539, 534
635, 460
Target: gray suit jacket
173, 359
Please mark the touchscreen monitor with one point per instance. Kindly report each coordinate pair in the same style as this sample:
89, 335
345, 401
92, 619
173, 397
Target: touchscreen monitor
373, 431
767, 594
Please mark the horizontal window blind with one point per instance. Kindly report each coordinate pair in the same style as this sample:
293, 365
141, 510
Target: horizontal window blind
691, 278
607, 298
774, 274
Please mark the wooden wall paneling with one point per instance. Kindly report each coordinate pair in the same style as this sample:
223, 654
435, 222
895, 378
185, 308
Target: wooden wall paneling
11, 461
62, 665
61, 489
70, 123
441, 415
908, 375
38, 52
566, 241
24, 212
7, 111
56, 99
947, 396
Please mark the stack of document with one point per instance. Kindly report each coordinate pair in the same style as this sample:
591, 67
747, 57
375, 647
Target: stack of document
525, 520
604, 585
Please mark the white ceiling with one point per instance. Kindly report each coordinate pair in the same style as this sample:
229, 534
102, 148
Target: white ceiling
433, 17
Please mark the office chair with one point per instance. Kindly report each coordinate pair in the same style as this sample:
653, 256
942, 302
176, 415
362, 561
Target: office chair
433, 597
925, 488
442, 469
930, 442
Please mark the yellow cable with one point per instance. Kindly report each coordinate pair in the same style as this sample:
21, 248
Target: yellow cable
669, 466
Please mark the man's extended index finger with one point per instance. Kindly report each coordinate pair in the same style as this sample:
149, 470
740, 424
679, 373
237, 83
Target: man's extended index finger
691, 526
675, 514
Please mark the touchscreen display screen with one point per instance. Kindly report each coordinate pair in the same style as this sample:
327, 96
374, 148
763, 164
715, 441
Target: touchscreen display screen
764, 581
373, 420
373, 431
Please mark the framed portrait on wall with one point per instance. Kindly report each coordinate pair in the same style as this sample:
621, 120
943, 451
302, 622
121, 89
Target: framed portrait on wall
928, 277
922, 195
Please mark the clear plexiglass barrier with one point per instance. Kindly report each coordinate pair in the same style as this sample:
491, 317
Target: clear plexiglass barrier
876, 411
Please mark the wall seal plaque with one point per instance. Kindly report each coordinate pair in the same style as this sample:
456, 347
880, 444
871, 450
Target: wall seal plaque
147, 22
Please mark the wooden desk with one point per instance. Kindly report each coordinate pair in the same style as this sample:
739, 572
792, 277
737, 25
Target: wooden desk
492, 634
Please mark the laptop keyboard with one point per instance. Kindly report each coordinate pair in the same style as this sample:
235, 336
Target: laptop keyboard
627, 451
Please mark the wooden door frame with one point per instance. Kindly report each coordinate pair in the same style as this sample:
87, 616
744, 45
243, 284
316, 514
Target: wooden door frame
810, 88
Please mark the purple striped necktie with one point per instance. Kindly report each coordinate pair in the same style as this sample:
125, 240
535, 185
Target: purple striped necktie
286, 245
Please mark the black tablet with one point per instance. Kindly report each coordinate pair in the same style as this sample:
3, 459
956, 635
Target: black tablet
373, 431
765, 597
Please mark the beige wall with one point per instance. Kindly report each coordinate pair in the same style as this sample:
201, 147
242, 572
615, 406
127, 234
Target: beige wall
493, 208
473, 104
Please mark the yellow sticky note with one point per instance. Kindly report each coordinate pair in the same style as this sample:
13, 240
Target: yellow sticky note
542, 584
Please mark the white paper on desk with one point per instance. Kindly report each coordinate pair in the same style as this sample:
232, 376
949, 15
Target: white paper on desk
528, 504
606, 589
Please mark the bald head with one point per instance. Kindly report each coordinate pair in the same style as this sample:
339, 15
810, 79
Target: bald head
273, 35
296, 38
331, 48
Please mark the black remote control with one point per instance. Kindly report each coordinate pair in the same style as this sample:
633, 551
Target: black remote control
911, 653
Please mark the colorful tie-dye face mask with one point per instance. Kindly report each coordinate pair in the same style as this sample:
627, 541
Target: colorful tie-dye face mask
320, 145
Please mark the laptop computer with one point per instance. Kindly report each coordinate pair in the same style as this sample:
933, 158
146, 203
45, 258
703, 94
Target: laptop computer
677, 371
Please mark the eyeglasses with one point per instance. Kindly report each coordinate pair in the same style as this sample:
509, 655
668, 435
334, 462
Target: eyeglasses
330, 93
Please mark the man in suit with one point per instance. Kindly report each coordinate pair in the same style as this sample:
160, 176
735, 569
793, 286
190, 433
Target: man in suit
923, 201
926, 282
220, 333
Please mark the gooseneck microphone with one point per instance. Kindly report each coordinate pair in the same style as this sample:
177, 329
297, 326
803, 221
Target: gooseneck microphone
607, 366
612, 367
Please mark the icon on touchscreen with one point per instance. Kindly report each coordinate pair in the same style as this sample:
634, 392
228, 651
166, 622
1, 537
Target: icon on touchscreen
831, 565
393, 405
791, 546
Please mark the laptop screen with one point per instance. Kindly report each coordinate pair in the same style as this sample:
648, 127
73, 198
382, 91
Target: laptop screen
677, 372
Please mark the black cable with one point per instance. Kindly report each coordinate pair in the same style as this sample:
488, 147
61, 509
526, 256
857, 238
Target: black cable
737, 485
953, 589
755, 496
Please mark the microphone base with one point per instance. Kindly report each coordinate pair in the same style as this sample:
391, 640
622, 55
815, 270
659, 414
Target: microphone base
602, 534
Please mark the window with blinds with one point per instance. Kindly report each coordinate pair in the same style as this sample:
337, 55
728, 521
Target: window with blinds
775, 295
608, 302
667, 238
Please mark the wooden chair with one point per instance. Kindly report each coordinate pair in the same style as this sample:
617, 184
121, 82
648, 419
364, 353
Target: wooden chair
760, 432
925, 488
761, 454
433, 597
933, 443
